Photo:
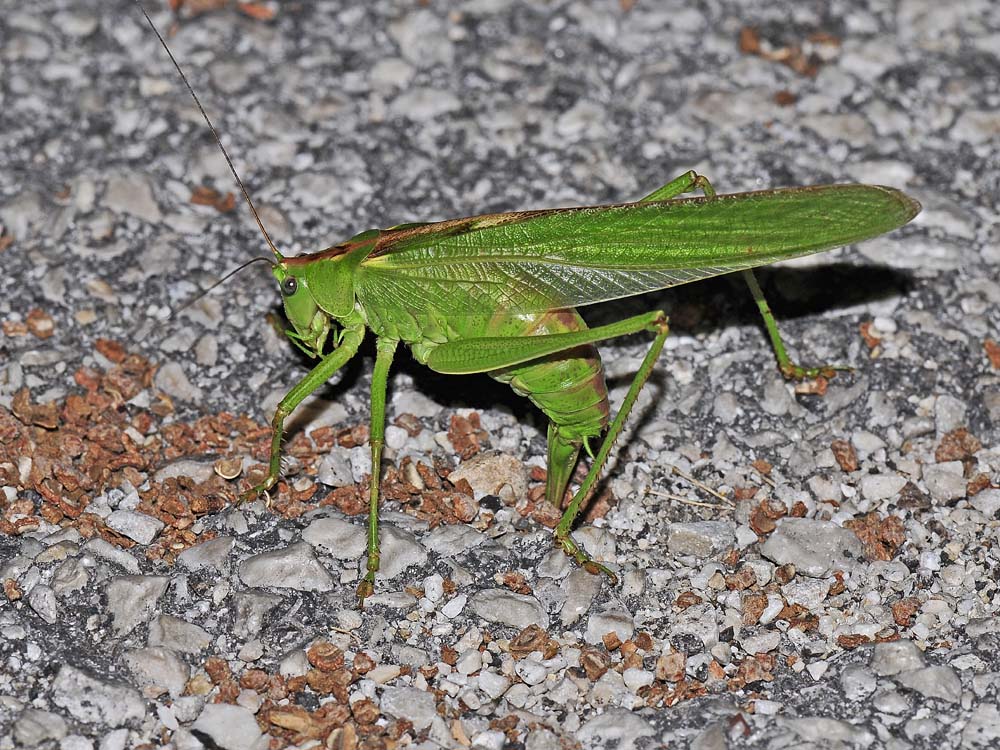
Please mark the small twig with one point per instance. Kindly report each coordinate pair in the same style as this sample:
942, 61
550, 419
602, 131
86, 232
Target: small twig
701, 485
687, 501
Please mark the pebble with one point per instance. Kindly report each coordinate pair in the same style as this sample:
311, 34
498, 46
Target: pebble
891, 702
34, 727
336, 537
136, 526
251, 609
933, 682
107, 551
132, 600
700, 621
70, 576
858, 682
493, 684
506, 607
531, 671
983, 728
761, 642
42, 599
400, 549
580, 588
815, 548
894, 657
986, 502
492, 473
469, 662
637, 678
95, 701
452, 540
291, 567
130, 193
157, 670
615, 728
197, 471
454, 606
949, 413
384, 673
821, 731
616, 621
334, 468
171, 379
177, 634
229, 727
701, 539
945, 481
210, 555
808, 592
418, 706
878, 487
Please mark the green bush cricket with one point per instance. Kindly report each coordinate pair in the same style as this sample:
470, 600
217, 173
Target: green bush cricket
497, 293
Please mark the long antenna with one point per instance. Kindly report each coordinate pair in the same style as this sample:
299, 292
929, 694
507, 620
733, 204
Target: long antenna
197, 296
204, 114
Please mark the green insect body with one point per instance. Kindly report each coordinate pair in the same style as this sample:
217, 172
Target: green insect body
497, 294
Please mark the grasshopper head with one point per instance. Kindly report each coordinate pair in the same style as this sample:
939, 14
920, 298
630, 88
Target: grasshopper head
310, 325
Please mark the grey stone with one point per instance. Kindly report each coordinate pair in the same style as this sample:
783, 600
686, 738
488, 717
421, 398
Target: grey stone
158, 670
857, 682
452, 540
815, 548
580, 587
334, 468
95, 701
230, 727
894, 657
822, 731
701, 621
615, 725
615, 621
291, 567
986, 502
493, 684
337, 537
177, 634
70, 576
945, 480
983, 728
400, 549
877, 487
132, 600
701, 539
410, 703
251, 609
107, 551
933, 682
949, 413
210, 555
130, 193
34, 726
136, 526
493, 473
503, 606
171, 379
808, 592
763, 641
42, 599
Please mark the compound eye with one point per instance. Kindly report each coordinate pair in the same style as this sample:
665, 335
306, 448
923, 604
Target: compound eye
289, 286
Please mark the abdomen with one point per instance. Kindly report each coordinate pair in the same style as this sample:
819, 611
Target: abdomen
568, 386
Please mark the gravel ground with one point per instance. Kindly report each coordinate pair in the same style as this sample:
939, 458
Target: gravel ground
798, 569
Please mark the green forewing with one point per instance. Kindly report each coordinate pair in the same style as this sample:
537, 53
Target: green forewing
540, 260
